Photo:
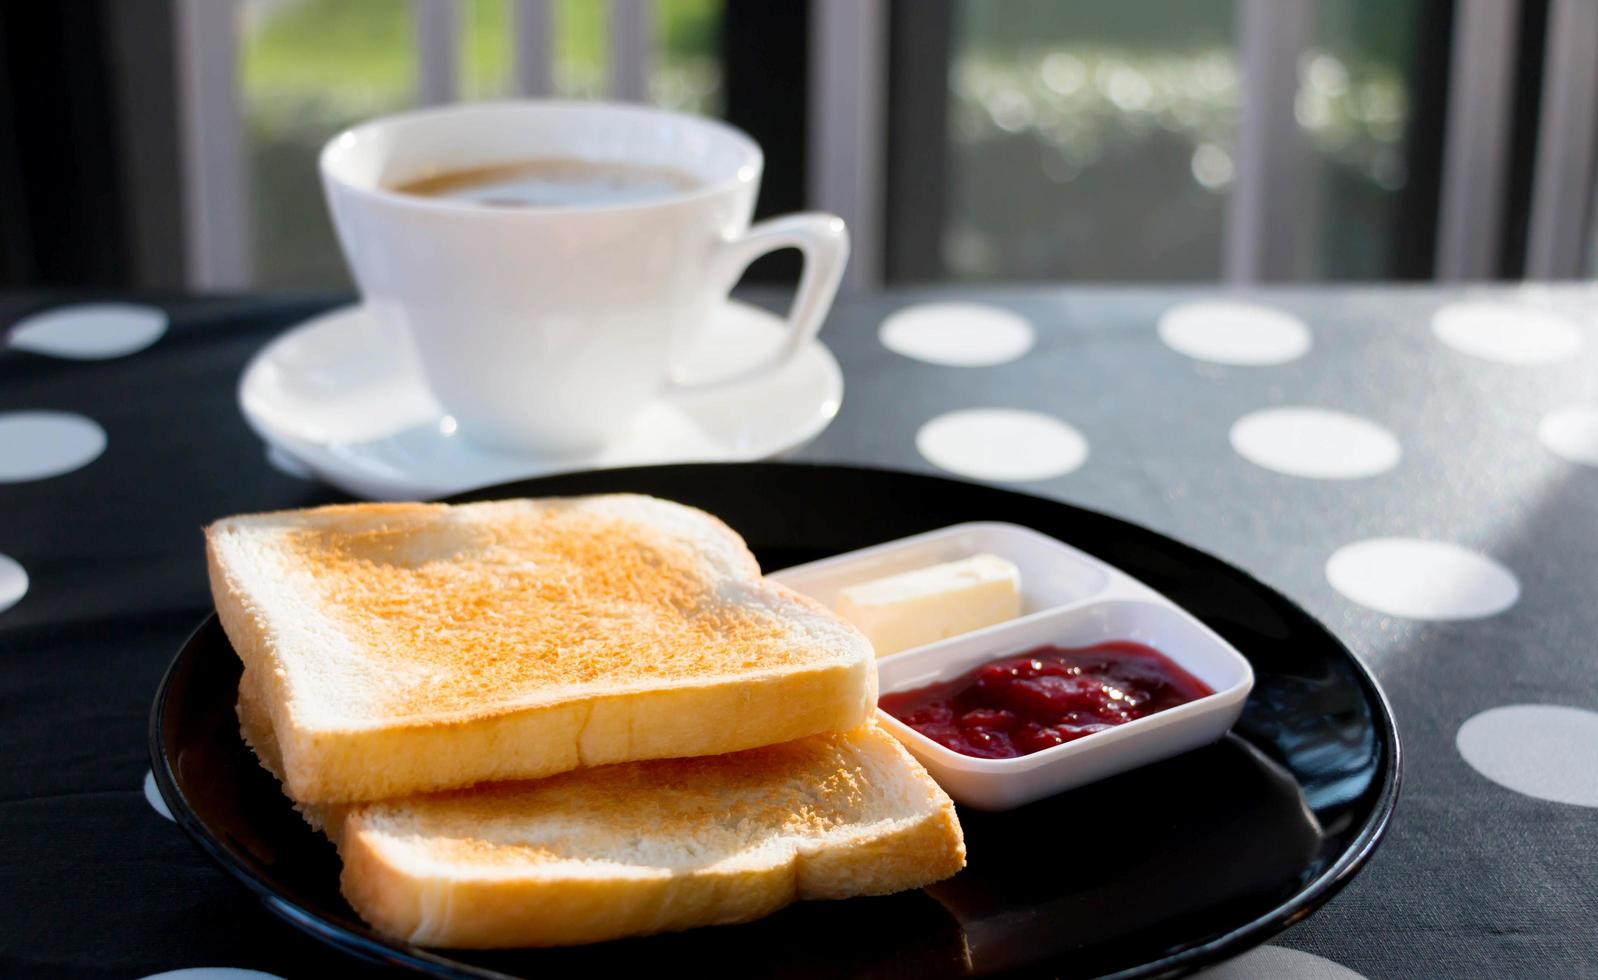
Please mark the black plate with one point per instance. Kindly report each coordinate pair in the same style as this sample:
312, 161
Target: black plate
1152, 873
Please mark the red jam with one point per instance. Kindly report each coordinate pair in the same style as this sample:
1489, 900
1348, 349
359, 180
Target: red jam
1045, 697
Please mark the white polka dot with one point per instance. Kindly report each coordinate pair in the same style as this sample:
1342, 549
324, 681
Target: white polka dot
1572, 434
1002, 444
284, 463
957, 334
13, 582
89, 332
152, 795
1507, 333
1541, 750
213, 973
1234, 333
1314, 442
1422, 579
35, 445
1278, 963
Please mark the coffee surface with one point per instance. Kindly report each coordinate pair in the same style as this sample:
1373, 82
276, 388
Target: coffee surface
552, 182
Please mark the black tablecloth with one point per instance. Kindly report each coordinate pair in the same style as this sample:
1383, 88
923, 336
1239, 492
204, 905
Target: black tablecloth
1475, 879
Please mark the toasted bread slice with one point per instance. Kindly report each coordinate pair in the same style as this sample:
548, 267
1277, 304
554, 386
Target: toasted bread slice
641, 847
404, 648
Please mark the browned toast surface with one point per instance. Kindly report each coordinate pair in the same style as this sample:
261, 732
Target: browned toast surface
595, 624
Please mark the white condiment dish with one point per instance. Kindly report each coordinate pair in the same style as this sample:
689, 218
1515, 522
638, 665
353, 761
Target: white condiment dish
999, 784
1052, 574
1069, 599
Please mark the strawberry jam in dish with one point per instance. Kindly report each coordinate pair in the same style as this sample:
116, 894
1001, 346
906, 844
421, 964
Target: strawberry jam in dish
1045, 697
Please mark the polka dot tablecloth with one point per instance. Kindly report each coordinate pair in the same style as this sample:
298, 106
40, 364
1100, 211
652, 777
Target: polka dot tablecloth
1417, 467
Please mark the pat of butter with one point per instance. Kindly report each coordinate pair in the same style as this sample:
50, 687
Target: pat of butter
930, 604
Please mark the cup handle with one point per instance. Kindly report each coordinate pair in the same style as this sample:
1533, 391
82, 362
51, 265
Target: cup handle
824, 242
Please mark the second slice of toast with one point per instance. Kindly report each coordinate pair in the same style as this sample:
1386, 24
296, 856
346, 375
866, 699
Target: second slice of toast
405, 648
638, 848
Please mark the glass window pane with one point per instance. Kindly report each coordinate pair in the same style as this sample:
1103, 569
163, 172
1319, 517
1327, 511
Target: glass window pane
582, 30
1097, 141
1089, 141
487, 57
1592, 238
1353, 106
687, 72
310, 68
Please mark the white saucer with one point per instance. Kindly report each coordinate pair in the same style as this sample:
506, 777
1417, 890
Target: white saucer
337, 397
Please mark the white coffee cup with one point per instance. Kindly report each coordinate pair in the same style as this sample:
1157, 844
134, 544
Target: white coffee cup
547, 329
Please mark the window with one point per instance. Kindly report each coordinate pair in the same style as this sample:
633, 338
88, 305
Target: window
1099, 141
1088, 141
1025, 139
1356, 106
312, 67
